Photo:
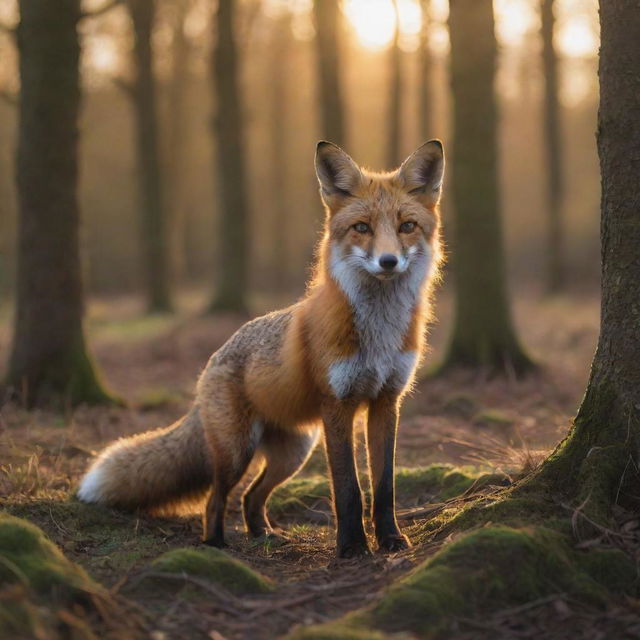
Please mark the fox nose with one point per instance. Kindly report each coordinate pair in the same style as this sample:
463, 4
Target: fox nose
388, 261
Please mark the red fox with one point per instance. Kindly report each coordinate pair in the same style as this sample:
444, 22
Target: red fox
352, 342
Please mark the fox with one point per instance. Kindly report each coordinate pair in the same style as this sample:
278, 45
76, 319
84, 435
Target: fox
349, 346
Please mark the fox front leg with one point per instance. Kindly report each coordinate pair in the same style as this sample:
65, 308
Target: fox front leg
347, 496
381, 442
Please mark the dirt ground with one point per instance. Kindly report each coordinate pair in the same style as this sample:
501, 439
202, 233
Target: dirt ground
462, 419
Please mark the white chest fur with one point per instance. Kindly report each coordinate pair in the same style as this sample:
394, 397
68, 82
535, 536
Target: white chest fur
382, 311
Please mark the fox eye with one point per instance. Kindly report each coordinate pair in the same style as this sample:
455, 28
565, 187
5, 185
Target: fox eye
362, 227
407, 227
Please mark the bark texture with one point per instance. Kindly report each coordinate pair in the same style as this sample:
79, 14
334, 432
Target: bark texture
601, 451
553, 145
152, 200
49, 361
327, 17
231, 183
483, 334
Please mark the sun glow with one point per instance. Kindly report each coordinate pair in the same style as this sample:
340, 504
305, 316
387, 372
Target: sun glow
577, 38
374, 21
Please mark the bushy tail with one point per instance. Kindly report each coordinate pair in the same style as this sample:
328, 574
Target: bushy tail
153, 471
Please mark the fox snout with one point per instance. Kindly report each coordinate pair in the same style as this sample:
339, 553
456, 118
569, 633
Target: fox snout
387, 265
388, 261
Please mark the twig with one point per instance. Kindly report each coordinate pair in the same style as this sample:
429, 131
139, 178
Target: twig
285, 604
505, 613
221, 594
105, 8
418, 512
577, 512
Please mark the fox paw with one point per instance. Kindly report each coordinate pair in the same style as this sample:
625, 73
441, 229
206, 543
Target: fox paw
394, 542
215, 541
354, 550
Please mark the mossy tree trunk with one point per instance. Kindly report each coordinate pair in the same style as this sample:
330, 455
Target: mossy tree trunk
49, 361
394, 118
233, 242
425, 69
553, 145
604, 442
483, 333
153, 206
281, 50
327, 18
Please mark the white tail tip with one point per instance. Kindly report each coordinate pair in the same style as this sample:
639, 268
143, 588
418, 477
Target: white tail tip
90, 489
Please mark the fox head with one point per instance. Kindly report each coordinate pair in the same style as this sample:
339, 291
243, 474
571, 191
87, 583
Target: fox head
381, 225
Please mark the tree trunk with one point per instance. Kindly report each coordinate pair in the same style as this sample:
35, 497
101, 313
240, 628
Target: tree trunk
555, 248
327, 17
395, 96
49, 361
232, 238
154, 216
604, 443
177, 141
281, 49
483, 333
425, 64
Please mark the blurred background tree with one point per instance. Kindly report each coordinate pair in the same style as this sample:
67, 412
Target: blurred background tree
328, 27
143, 92
483, 332
49, 362
425, 74
394, 118
553, 140
231, 184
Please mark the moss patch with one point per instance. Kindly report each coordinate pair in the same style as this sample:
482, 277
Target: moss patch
107, 542
299, 495
335, 631
216, 566
434, 483
39, 584
490, 569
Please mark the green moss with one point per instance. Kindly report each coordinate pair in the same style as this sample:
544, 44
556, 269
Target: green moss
118, 541
335, 631
493, 418
490, 569
434, 483
298, 495
28, 557
41, 582
441, 482
214, 565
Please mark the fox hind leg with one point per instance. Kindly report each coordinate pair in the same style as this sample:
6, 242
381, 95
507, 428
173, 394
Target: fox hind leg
232, 439
285, 452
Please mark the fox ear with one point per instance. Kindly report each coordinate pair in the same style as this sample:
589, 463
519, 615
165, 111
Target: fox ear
337, 173
422, 172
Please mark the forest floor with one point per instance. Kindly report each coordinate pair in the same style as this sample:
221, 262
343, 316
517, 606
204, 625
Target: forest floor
453, 431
